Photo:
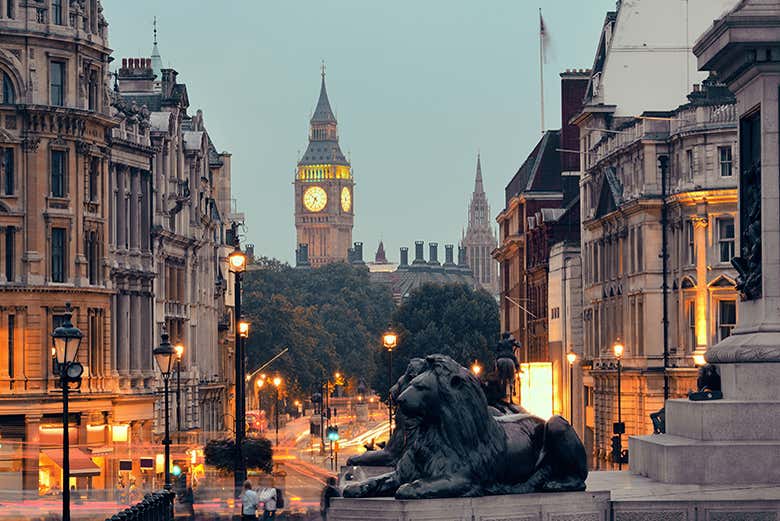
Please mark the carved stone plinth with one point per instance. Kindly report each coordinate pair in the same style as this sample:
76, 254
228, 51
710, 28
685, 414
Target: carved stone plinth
563, 506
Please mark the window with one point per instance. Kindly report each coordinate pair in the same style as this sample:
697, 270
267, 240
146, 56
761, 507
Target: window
724, 155
56, 11
58, 173
9, 96
11, 325
8, 171
690, 251
9, 9
94, 179
691, 324
57, 83
689, 163
726, 238
639, 250
10, 233
93, 90
727, 318
92, 258
58, 254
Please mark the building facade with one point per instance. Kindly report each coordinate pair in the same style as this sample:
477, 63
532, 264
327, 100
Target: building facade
542, 210
479, 239
54, 214
623, 201
324, 205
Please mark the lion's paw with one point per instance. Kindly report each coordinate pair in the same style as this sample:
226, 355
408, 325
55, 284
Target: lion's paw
408, 491
356, 490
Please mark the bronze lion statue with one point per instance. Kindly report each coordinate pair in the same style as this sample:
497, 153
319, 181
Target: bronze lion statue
402, 434
460, 450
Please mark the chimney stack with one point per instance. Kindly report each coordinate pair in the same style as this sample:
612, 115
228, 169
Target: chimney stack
357, 254
448, 256
418, 252
433, 257
404, 258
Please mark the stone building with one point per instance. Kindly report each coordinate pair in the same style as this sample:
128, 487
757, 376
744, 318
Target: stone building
622, 202
55, 117
324, 206
542, 210
191, 214
479, 239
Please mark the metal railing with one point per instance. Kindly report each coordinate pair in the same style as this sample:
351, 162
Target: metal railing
157, 506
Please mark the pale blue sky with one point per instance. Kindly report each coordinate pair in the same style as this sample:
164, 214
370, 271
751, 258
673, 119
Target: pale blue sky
418, 86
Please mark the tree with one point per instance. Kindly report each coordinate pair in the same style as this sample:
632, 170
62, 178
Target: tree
257, 453
452, 319
331, 319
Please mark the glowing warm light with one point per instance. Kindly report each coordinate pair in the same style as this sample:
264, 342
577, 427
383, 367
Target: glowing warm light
618, 348
243, 329
277, 381
120, 432
237, 260
701, 321
337, 375
159, 463
260, 382
371, 400
536, 388
179, 348
390, 340
571, 357
297, 403
476, 368
698, 359
295, 498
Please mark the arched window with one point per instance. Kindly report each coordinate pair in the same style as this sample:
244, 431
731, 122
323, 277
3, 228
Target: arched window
9, 96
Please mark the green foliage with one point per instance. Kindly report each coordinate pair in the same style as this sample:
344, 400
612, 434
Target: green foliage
257, 452
331, 319
452, 319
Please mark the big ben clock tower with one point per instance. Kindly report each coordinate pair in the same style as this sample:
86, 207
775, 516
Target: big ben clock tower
323, 190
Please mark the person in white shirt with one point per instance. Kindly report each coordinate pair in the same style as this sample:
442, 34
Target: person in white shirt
249, 501
268, 497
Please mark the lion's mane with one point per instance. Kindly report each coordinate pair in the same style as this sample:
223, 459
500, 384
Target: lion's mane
465, 439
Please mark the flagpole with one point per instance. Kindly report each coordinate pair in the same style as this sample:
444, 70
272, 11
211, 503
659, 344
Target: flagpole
541, 67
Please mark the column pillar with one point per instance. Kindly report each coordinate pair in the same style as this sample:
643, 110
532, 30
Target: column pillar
135, 198
123, 335
121, 213
31, 452
702, 289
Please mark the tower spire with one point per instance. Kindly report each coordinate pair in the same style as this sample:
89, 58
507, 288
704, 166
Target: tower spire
478, 187
155, 30
156, 58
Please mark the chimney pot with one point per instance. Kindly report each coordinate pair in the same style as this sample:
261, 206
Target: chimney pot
404, 257
124, 63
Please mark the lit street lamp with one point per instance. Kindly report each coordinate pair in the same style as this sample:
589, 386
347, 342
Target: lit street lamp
179, 348
277, 381
165, 354
67, 339
619, 428
390, 340
571, 357
237, 262
476, 368
260, 383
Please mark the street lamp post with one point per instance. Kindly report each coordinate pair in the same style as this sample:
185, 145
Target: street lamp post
260, 384
179, 348
390, 340
67, 339
277, 382
237, 262
571, 357
165, 354
476, 368
618, 350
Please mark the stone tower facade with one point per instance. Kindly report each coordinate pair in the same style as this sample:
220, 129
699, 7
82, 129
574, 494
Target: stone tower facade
479, 239
324, 211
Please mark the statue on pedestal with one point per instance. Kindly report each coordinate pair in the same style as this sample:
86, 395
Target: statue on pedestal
458, 449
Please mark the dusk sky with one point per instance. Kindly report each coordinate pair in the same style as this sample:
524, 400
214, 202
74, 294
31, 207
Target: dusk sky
418, 88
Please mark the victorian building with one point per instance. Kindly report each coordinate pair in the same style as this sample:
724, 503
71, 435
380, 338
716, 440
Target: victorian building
55, 118
479, 240
640, 169
542, 210
324, 212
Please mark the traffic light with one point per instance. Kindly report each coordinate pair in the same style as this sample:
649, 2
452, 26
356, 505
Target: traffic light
333, 433
617, 450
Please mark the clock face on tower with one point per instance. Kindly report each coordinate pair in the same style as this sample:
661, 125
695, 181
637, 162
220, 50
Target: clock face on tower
346, 199
315, 199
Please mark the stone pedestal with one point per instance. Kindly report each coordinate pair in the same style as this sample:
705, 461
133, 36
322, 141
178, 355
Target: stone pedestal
564, 506
737, 440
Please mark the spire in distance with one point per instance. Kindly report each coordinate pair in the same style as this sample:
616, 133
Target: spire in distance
478, 187
156, 58
323, 112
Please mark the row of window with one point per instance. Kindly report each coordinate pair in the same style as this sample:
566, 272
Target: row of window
58, 174
725, 163
726, 320
57, 82
725, 237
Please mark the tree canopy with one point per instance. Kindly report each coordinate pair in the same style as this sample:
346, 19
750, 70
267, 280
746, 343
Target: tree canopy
331, 319
452, 319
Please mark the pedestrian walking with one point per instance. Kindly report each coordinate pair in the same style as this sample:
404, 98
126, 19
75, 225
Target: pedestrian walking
249, 502
268, 496
329, 492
